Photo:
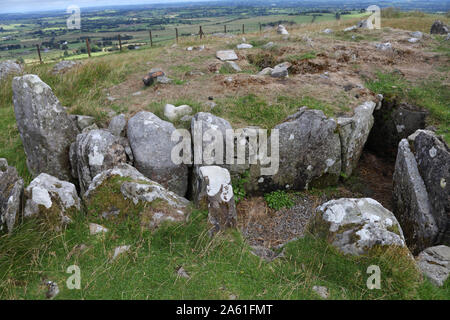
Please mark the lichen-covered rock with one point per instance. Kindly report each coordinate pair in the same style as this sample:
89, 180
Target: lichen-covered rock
128, 192
82, 122
309, 153
94, 152
353, 133
226, 55
52, 200
11, 191
438, 27
214, 185
433, 161
64, 66
118, 125
354, 226
45, 128
9, 67
151, 143
434, 262
411, 203
173, 113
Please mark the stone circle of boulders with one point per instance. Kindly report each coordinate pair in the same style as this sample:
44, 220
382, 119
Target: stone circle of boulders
438, 27
94, 152
354, 226
52, 200
150, 141
9, 67
44, 126
11, 191
421, 190
434, 262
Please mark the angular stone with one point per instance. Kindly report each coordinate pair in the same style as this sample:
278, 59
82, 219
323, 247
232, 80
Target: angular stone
433, 161
118, 125
64, 66
244, 46
82, 122
439, 27
150, 141
434, 262
354, 226
411, 203
173, 113
226, 55
96, 228
45, 128
11, 191
94, 152
353, 133
136, 193
52, 200
232, 66
9, 67
214, 184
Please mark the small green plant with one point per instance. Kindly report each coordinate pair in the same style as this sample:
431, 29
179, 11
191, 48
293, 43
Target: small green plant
278, 200
239, 186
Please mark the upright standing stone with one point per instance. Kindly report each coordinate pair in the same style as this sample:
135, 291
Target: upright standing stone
11, 190
44, 126
151, 143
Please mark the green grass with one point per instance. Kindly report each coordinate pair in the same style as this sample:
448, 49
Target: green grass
430, 94
255, 110
218, 267
278, 200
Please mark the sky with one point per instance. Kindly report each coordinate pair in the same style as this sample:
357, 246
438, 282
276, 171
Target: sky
7, 6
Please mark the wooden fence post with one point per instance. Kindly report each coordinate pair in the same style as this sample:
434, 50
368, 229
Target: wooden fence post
243, 29
151, 38
39, 53
201, 32
88, 47
176, 33
260, 28
225, 28
120, 42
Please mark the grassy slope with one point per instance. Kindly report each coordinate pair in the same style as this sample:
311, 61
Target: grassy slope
218, 267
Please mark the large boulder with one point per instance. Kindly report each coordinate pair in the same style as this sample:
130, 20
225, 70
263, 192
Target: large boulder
422, 191
438, 27
52, 200
354, 226
9, 67
433, 161
151, 143
213, 188
411, 203
93, 152
127, 191
11, 191
353, 133
309, 153
44, 126
434, 262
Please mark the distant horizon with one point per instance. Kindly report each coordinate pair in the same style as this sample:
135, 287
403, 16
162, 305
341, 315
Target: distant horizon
23, 6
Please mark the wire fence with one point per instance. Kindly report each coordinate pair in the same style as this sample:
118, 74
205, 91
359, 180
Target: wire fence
155, 38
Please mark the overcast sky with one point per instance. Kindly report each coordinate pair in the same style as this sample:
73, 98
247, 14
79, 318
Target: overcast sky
42, 5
